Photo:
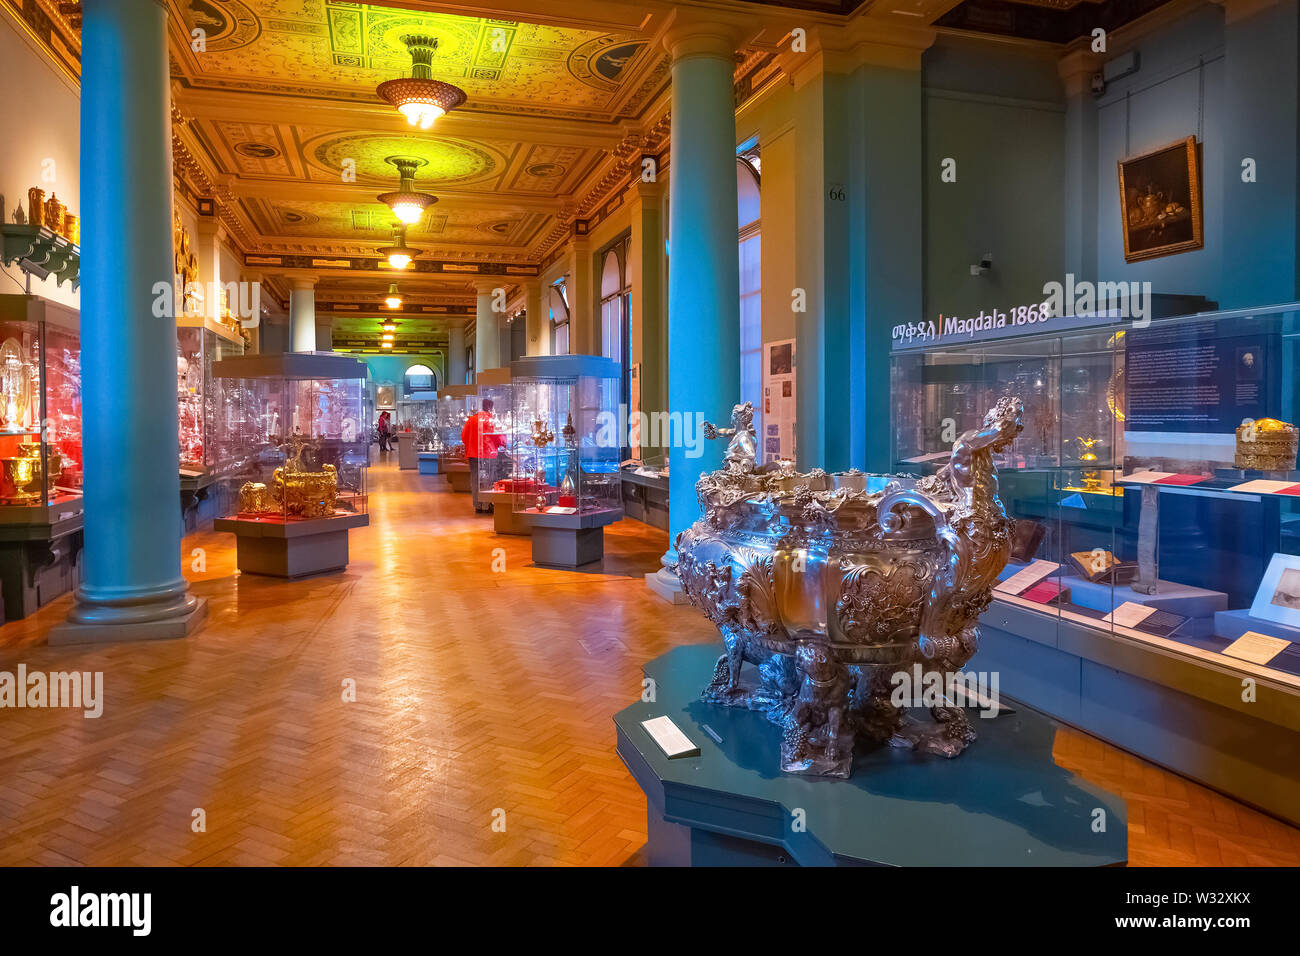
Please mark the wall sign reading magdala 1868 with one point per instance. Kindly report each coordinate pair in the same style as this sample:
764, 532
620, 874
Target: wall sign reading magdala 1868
829, 590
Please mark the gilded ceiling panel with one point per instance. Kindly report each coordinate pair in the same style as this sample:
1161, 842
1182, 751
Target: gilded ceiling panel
336, 49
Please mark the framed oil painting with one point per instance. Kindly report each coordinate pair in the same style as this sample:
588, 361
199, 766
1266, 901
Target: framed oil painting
386, 397
1160, 201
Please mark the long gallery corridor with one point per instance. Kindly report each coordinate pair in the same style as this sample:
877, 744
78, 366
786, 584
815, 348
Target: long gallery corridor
476, 692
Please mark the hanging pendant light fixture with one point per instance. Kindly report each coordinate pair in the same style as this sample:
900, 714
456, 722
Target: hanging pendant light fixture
419, 97
399, 254
407, 204
394, 301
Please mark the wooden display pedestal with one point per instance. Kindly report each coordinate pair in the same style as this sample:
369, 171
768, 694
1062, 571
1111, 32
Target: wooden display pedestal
291, 549
457, 473
1004, 802
505, 520
568, 541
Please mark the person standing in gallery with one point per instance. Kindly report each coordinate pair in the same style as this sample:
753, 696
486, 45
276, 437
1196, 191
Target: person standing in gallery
481, 440
385, 432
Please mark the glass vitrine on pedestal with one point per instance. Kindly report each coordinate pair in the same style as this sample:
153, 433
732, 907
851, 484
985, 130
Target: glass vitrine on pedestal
565, 456
456, 403
40, 451
205, 462
499, 431
297, 424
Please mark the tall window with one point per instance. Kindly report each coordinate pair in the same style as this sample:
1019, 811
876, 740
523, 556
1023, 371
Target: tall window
751, 317
615, 316
559, 308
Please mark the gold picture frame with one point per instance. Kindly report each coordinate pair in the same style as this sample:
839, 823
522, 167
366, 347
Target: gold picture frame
1160, 201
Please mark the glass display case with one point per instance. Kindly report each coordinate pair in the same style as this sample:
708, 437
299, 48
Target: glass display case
199, 343
645, 489
418, 416
499, 431
1154, 487
296, 423
41, 504
40, 411
564, 454
456, 403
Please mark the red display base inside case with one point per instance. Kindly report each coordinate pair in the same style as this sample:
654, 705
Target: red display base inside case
567, 501
1043, 592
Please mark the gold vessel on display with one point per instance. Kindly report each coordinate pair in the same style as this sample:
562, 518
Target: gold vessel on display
295, 492
1266, 444
23, 474
838, 595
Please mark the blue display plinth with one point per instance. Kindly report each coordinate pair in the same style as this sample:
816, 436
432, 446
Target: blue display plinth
1004, 802
1230, 625
1197, 604
427, 463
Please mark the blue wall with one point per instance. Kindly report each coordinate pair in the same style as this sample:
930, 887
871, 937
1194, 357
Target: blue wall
1000, 115
1176, 92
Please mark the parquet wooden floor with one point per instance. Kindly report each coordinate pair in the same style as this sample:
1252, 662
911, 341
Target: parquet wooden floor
477, 694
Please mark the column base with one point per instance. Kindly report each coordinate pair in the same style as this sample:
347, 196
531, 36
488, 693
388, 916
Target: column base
166, 629
667, 585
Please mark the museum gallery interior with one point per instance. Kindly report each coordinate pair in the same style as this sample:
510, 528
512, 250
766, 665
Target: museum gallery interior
650, 433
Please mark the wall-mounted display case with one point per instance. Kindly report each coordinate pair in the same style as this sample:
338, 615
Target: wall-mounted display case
1155, 495
40, 451
199, 343
565, 453
205, 461
297, 424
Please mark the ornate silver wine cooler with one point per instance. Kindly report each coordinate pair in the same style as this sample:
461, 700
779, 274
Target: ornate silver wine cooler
829, 590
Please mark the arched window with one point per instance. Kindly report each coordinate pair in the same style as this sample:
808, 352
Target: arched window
749, 233
616, 314
420, 378
559, 309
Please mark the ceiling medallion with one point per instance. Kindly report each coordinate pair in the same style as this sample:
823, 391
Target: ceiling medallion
399, 254
419, 97
407, 204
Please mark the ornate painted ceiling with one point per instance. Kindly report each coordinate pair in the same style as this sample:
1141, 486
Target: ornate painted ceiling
278, 120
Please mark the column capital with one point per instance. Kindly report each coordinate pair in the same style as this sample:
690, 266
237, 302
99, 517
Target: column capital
303, 283
647, 190
489, 286
863, 42
713, 34
1077, 67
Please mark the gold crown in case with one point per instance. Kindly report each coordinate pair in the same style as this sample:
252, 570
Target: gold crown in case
1266, 444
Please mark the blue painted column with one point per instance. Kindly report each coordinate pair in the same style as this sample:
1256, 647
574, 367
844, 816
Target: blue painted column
302, 316
703, 257
132, 586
